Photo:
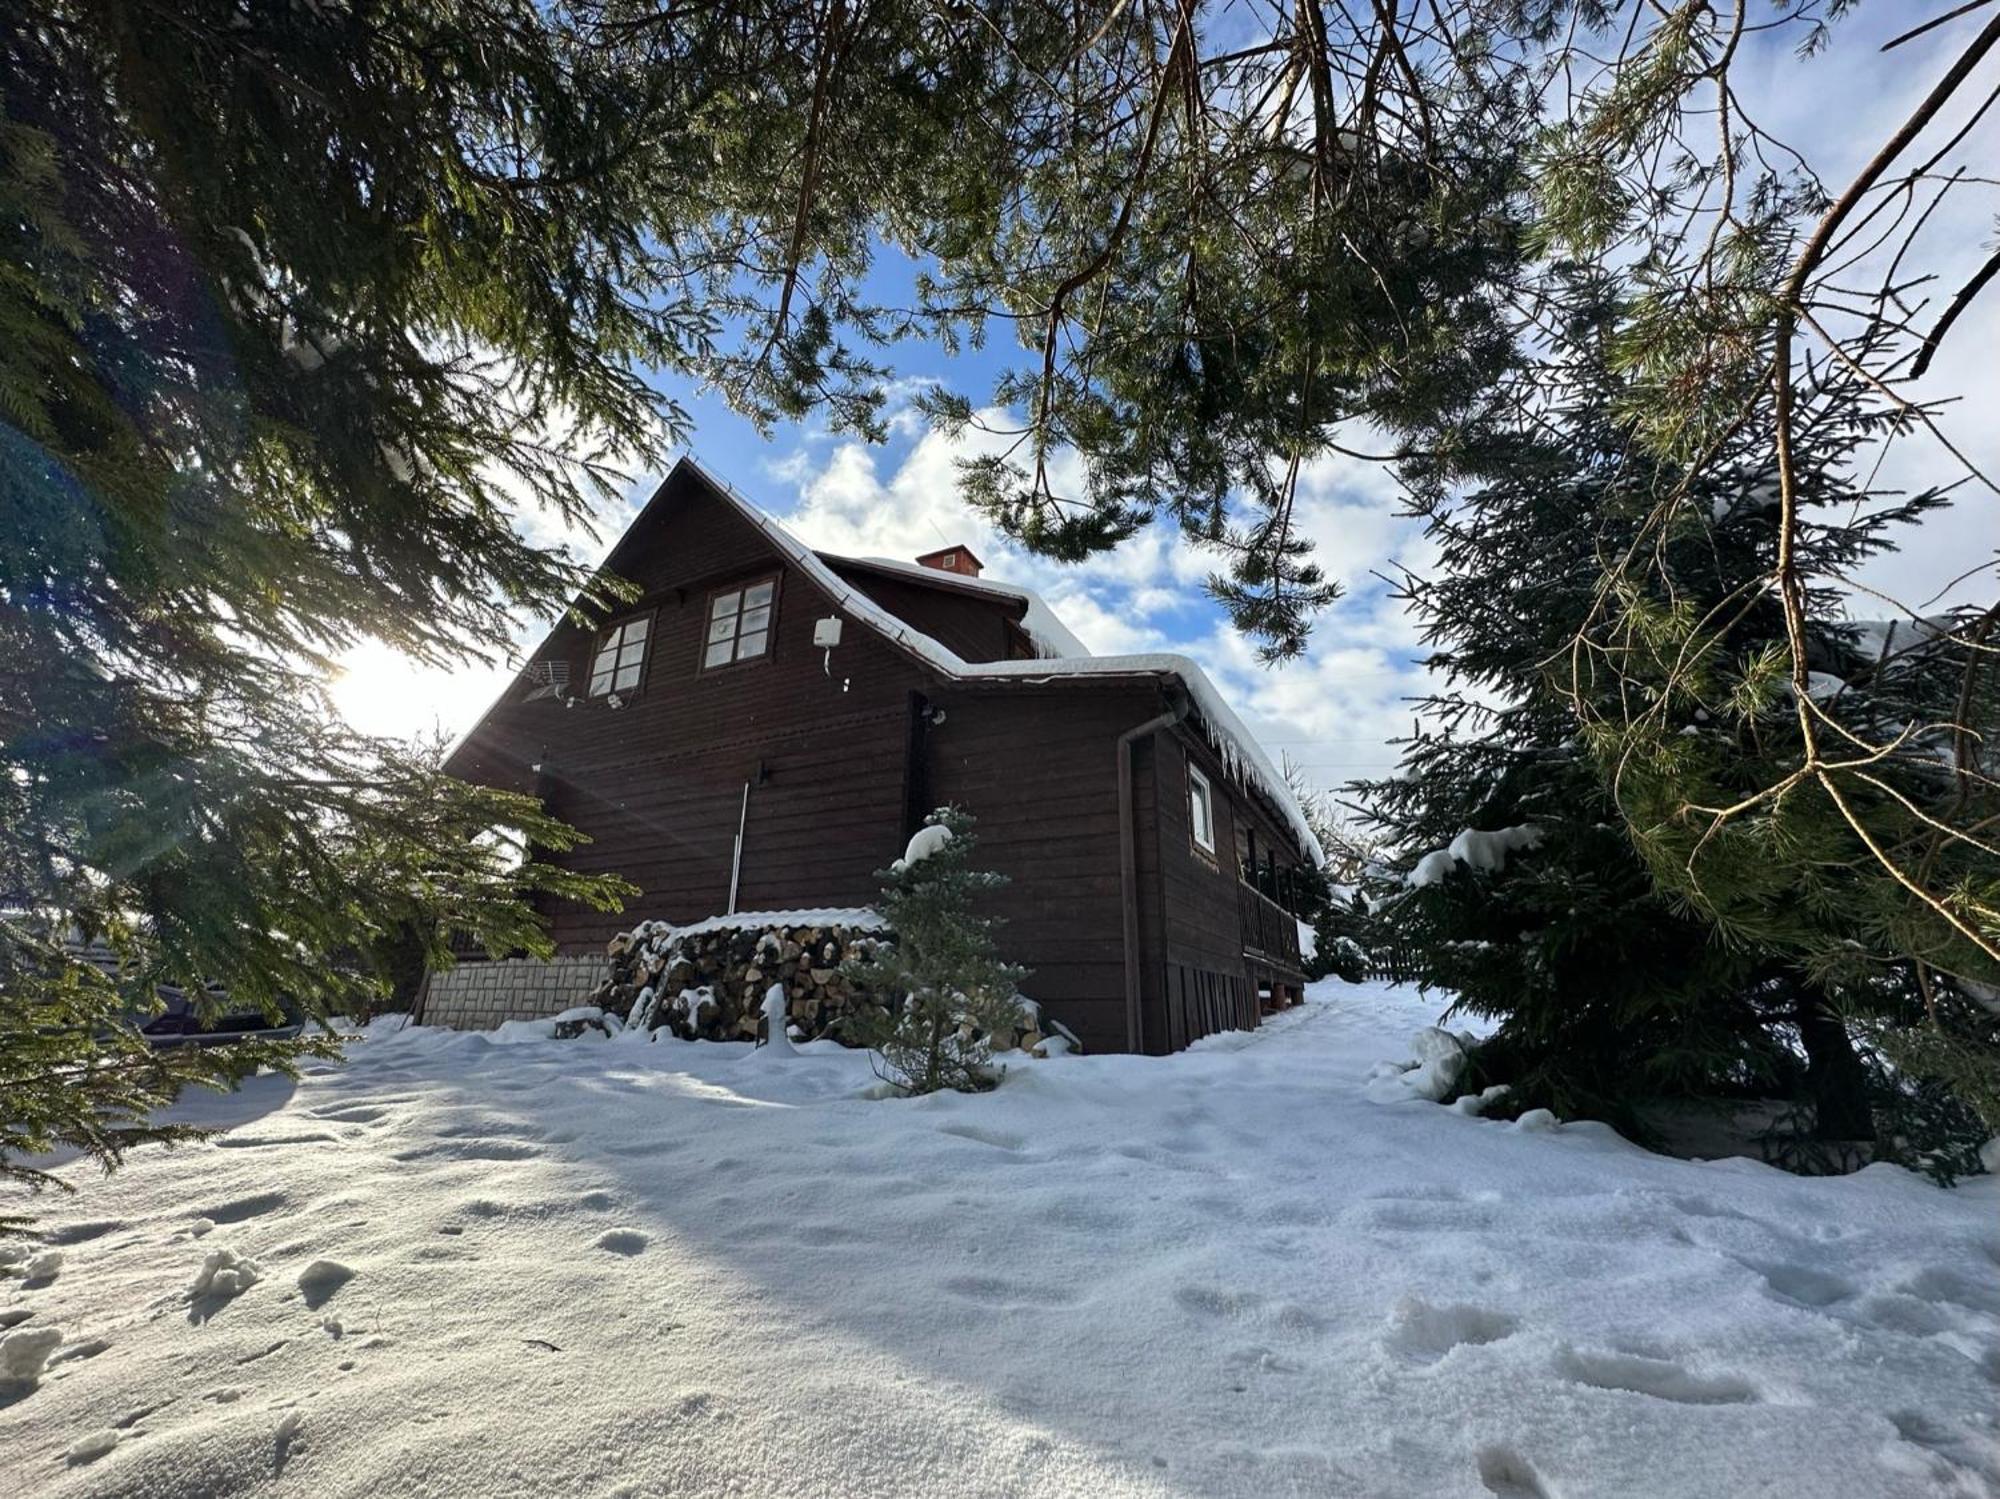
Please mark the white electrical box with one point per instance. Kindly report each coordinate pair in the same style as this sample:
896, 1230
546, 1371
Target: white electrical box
826, 632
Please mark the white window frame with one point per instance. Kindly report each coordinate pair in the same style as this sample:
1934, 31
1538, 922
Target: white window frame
1201, 811
619, 662
737, 626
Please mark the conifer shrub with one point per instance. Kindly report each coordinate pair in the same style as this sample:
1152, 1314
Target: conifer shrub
941, 989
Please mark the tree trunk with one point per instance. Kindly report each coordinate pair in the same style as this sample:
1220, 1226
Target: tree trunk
1835, 1078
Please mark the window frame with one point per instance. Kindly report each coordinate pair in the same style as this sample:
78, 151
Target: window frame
599, 645
1204, 846
709, 639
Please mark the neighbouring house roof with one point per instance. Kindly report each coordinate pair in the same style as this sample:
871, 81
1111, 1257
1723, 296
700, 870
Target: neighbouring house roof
1240, 752
953, 551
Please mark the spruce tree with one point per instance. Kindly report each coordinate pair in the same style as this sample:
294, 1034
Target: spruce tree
1557, 914
1819, 790
940, 991
1603, 993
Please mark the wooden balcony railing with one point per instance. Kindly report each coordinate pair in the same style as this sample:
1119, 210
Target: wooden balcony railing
1270, 932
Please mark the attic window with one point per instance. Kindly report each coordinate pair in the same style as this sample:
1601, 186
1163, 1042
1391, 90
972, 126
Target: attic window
1201, 810
739, 624
621, 657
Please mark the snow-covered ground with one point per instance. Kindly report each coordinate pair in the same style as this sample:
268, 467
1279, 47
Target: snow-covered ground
604, 1268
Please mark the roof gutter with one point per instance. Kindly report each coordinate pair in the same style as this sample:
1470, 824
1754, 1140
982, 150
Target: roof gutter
1128, 859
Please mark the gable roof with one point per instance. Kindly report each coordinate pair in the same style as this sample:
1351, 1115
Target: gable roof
1049, 635
1240, 752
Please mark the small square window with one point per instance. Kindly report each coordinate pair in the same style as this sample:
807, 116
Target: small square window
1201, 811
739, 624
620, 662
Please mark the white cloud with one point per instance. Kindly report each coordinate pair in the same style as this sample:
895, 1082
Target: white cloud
1332, 712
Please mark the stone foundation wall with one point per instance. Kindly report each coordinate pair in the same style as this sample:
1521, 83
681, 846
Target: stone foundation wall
478, 996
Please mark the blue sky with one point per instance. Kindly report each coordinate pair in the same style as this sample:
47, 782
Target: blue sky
1335, 711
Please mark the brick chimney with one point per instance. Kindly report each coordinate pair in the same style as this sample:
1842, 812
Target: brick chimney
952, 560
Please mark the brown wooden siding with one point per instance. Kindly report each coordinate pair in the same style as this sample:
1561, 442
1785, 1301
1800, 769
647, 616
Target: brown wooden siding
975, 628
657, 784
1037, 767
1201, 983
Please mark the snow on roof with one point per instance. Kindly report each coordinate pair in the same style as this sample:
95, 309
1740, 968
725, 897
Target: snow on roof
1050, 635
1240, 752
1885, 639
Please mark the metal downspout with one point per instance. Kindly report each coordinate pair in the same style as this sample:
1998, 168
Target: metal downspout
1128, 863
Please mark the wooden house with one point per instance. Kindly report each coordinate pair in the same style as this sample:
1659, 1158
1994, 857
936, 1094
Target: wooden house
764, 727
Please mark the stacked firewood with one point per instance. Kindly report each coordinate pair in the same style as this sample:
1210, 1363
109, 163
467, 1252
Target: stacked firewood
708, 982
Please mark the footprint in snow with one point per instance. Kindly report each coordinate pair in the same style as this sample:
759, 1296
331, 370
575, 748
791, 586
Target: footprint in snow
623, 1241
648, 1149
1802, 1284
356, 1113
1954, 1455
1661, 1379
1508, 1475
1893, 1311
88, 1449
238, 1141
471, 1150
244, 1207
491, 1129
132, 1418
999, 1139
82, 1233
1216, 1301
1949, 1288
1424, 1334
320, 1280
89, 1348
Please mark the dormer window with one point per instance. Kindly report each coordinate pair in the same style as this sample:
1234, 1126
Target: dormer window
739, 624
621, 657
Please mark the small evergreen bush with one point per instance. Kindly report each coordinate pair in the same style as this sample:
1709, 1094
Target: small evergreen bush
941, 990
